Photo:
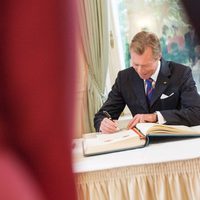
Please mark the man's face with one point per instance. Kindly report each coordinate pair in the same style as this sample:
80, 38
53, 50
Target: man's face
145, 65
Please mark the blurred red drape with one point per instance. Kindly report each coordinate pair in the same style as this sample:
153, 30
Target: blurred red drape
37, 70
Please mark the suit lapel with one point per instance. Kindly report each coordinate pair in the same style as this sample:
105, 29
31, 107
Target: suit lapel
162, 81
138, 85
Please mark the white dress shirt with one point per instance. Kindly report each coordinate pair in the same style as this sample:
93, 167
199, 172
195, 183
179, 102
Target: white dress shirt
154, 76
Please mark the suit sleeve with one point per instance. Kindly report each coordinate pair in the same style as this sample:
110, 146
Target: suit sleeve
114, 104
189, 112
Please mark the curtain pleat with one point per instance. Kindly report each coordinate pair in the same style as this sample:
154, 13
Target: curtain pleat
93, 15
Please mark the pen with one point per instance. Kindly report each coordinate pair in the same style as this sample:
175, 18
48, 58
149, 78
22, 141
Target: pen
107, 115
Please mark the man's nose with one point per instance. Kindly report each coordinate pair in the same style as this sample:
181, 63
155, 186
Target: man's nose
140, 69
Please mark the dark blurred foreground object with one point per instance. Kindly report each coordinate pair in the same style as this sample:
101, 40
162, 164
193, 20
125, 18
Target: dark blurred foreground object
193, 10
37, 67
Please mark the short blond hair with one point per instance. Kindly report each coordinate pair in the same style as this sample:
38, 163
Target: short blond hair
145, 39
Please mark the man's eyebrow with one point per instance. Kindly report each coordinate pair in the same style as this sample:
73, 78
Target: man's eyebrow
139, 64
142, 64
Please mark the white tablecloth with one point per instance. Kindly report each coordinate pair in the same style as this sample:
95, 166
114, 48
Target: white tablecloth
153, 153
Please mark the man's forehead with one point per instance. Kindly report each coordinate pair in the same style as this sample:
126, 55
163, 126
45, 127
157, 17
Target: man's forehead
146, 56
144, 63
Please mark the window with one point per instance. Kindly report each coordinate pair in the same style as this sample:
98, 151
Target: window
168, 20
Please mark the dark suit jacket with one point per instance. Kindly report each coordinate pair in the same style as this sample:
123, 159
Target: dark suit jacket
182, 107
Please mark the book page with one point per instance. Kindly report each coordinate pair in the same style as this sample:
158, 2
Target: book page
111, 142
153, 128
144, 127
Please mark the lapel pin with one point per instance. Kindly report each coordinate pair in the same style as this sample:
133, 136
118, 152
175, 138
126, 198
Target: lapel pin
165, 82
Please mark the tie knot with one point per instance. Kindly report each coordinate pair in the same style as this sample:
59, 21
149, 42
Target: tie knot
149, 81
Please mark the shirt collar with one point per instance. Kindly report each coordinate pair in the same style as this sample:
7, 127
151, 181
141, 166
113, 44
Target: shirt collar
155, 75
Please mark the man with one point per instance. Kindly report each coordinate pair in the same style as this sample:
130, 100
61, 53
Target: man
173, 94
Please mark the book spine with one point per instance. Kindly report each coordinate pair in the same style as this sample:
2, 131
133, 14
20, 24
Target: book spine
141, 135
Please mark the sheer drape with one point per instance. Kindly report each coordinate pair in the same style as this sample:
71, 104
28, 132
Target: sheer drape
93, 15
115, 56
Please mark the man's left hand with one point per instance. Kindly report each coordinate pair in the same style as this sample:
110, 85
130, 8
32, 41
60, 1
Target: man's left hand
141, 118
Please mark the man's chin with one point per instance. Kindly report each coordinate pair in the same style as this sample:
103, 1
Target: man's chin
144, 77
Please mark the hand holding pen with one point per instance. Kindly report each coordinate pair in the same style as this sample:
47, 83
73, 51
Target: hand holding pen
108, 125
107, 115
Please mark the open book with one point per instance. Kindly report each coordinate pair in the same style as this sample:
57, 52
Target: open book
98, 143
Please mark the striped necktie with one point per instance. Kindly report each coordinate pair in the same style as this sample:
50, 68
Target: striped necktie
150, 89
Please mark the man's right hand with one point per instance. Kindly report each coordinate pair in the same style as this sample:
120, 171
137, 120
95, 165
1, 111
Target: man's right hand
108, 126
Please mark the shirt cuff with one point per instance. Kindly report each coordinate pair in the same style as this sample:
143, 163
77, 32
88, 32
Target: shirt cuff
161, 119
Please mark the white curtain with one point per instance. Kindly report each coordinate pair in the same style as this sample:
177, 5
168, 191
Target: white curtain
116, 60
94, 31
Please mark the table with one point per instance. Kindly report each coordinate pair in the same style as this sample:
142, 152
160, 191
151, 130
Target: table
162, 170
